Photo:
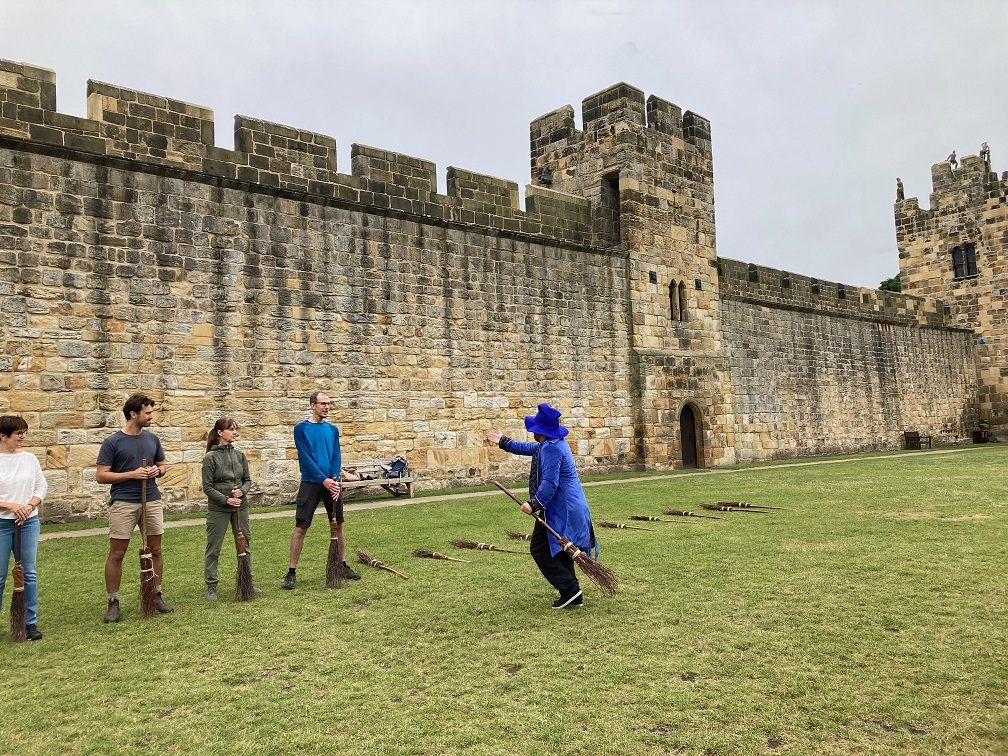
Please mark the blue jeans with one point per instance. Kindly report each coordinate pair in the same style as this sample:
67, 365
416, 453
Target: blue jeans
29, 550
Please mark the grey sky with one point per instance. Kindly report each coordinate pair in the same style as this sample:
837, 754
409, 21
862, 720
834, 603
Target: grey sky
815, 107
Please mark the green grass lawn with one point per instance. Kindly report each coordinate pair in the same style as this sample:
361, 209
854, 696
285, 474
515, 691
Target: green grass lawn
869, 617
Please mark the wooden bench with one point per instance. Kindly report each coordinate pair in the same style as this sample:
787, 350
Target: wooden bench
914, 440
371, 472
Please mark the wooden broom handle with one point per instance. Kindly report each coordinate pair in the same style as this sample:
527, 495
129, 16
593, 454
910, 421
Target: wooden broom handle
519, 502
143, 506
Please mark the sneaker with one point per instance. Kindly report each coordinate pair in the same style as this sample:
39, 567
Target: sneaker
112, 615
33, 632
290, 581
256, 591
160, 604
211, 594
349, 573
574, 600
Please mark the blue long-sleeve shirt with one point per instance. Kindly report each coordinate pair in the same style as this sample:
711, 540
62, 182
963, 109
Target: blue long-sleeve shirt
318, 448
554, 487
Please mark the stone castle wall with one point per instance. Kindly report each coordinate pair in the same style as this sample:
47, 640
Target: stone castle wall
137, 255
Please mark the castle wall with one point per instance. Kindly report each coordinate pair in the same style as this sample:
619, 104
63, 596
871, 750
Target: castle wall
820, 367
131, 263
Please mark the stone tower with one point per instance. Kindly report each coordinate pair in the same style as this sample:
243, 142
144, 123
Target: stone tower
957, 251
646, 169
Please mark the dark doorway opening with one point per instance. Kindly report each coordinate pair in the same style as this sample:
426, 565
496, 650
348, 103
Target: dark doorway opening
689, 438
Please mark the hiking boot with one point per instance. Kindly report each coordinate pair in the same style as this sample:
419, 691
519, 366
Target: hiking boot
290, 581
349, 573
160, 605
112, 615
33, 632
574, 600
211, 594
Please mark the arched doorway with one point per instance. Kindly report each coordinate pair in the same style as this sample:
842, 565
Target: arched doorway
690, 440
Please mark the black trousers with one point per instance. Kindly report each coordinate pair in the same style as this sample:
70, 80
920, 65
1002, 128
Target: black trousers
559, 569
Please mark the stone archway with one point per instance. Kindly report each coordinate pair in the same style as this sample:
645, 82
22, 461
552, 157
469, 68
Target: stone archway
691, 436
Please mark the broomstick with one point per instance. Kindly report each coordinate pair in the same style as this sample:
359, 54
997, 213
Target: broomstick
607, 524
243, 576
727, 508
649, 518
519, 536
463, 544
437, 555
148, 580
334, 566
684, 513
746, 505
603, 577
18, 611
370, 561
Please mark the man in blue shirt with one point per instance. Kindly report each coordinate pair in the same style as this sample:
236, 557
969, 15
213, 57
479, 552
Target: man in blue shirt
318, 447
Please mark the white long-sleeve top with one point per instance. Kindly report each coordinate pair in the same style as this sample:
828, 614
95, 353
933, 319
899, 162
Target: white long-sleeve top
21, 478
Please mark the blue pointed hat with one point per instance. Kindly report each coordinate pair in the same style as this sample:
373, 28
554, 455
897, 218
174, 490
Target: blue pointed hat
546, 422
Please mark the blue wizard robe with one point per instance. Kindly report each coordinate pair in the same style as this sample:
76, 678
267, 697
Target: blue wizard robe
555, 488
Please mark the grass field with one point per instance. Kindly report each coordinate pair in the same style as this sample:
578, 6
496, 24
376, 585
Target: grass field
869, 617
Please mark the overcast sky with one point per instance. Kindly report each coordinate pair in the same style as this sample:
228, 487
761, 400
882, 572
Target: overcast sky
815, 107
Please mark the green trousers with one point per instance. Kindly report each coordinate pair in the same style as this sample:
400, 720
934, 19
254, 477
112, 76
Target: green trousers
217, 524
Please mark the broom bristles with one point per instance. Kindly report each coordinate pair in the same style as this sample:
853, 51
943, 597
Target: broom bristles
19, 609
436, 555
601, 575
243, 573
334, 567
464, 544
148, 583
519, 536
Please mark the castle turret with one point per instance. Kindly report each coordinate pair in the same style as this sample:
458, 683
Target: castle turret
957, 251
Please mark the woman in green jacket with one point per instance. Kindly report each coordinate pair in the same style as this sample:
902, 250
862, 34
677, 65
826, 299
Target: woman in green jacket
226, 482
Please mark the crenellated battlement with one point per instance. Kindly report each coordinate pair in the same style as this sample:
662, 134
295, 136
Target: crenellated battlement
615, 108
969, 189
158, 132
761, 285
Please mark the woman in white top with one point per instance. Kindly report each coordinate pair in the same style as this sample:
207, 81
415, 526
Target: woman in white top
22, 489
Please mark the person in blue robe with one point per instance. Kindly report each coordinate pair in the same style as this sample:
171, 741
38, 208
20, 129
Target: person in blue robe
556, 495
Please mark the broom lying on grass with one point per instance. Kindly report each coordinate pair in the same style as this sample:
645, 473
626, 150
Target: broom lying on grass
684, 513
436, 555
601, 575
464, 544
370, 561
649, 518
18, 608
148, 580
334, 565
519, 536
727, 508
622, 526
746, 505
243, 575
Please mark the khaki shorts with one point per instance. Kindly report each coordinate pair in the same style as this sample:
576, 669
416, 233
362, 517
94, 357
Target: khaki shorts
124, 516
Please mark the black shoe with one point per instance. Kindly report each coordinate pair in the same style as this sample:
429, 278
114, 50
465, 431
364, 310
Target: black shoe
348, 572
33, 632
572, 601
112, 615
290, 581
160, 605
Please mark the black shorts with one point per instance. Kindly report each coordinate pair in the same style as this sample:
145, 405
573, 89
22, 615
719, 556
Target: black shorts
308, 497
